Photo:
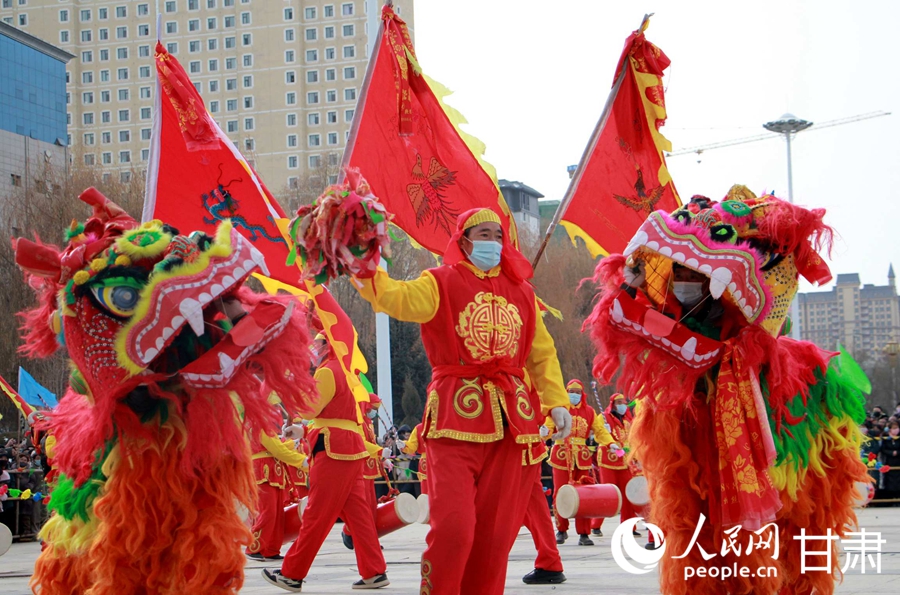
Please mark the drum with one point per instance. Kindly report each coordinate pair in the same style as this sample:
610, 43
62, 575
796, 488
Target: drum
424, 510
396, 514
5, 539
637, 492
292, 520
602, 500
865, 491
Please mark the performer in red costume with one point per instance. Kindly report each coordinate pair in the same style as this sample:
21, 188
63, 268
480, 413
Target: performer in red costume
548, 567
613, 466
271, 461
490, 352
373, 464
336, 484
571, 458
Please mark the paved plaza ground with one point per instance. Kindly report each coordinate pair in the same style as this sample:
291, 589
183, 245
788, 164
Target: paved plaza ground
589, 569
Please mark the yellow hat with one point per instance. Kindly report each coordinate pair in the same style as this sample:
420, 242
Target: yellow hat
482, 216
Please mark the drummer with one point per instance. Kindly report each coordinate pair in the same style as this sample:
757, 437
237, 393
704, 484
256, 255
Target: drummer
614, 468
571, 458
336, 484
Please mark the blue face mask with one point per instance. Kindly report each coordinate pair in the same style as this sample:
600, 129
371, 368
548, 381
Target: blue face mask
621, 409
575, 399
485, 254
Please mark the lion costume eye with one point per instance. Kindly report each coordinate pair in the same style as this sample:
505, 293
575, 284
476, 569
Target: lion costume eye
119, 298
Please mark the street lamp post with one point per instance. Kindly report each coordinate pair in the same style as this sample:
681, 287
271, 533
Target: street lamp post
788, 125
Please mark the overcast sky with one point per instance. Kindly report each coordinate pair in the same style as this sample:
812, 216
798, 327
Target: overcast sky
531, 78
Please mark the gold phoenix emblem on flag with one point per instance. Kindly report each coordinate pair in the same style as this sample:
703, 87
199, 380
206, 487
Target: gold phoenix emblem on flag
490, 327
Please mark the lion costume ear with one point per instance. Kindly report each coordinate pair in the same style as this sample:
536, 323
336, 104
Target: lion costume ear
40, 260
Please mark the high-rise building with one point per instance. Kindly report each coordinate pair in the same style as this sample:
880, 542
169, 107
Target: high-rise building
32, 113
280, 77
863, 319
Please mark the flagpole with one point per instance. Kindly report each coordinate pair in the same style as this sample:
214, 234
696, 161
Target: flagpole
595, 137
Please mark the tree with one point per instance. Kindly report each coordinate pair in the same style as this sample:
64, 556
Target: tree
413, 404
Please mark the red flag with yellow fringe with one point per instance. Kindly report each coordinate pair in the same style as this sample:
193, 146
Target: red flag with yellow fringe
622, 176
408, 146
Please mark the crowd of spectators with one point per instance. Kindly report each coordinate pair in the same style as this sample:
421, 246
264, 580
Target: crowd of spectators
22, 468
881, 452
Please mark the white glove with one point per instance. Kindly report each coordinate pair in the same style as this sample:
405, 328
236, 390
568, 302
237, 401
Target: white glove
293, 431
563, 421
386, 453
613, 447
636, 275
544, 432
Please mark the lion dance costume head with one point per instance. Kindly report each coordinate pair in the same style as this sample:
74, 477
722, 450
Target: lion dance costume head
168, 375
738, 423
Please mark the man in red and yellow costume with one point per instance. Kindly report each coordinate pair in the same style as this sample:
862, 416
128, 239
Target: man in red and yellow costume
614, 468
495, 376
271, 460
548, 567
336, 484
372, 468
571, 458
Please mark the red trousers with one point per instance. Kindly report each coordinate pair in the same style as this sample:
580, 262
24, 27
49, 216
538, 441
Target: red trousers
561, 478
539, 523
373, 501
336, 489
478, 493
620, 478
268, 526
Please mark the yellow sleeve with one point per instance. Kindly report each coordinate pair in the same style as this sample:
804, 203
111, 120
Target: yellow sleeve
543, 368
325, 388
281, 450
409, 301
601, 434
412, 445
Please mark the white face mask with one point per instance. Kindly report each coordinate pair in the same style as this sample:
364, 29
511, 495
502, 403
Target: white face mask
621, 409
575, 399
371, 414
485, 254
689, 293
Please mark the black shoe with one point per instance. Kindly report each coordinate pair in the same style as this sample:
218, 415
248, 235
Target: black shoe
636, 533
261, 558
279, 580
539, 576
376, 582
597, 532
348, 540
561, 537
651, 546
584, 540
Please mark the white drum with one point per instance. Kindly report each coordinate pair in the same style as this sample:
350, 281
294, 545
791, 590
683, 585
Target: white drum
638, 493
424, 510
5, 539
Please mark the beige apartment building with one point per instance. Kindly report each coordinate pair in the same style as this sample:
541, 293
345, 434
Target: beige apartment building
863, 318
281, 77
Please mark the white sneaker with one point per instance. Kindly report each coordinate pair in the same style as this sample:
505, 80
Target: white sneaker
279, 580
376, 582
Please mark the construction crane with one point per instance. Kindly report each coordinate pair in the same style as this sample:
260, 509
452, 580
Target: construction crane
760, 137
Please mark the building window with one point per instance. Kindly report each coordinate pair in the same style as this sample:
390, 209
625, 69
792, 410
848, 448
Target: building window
124, 136
229, 22
85, 16
89, 159
121, 12
122, 53
121, 32
103, 34
248, 123
312, 76
63, 16
123, 94
289, 14
292, 162
194, 25
170, 6
143, 30
288, 56
290, 98
329, 32
124, 115
144, 72
230, 84
194, 67
331, 117
290, 77
245, 18
87, 77
213, 65
87, 98
142, 9
232, 125
349, 73
104, 76
230, 63
145, 93
328, 10
89, 139
314, 140
310, 13
106, 159
144, 51
86, 35
248, 102
214, 107
212, 44
347, 31
231, 105
172, 47
23, 20
329, 53
331, 96
291, 140
330, 74
311, 34
312, 118
106, 138
124, 156
248, 60
347, 9
349, 51
211, 24
64, 37
249, 144
145, 154
247, 39
350, 94
193, 4
193, 46
312, 98
247, 82
332, 138
87, 57
102, 13
312, 55
213, 86
291, 120
315, 161
104, 55
227, 3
